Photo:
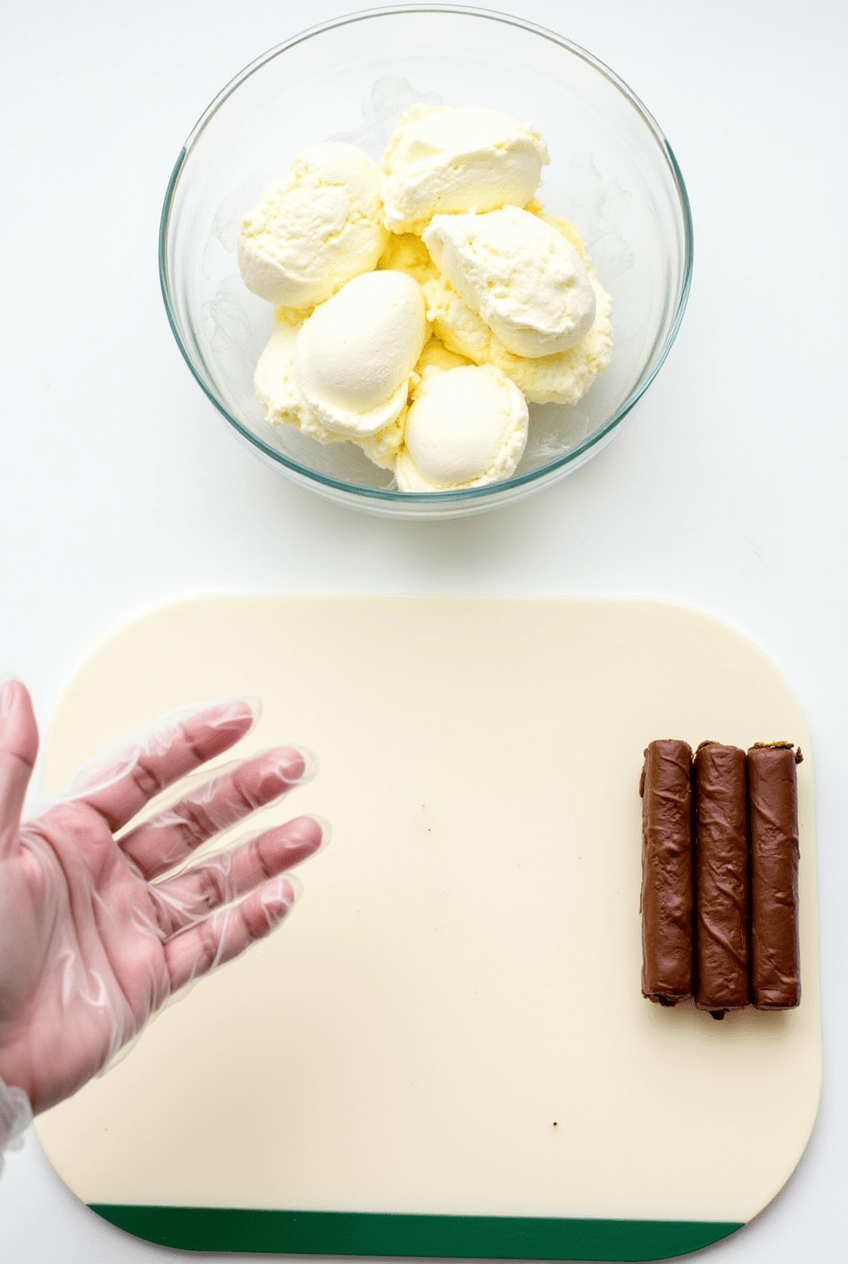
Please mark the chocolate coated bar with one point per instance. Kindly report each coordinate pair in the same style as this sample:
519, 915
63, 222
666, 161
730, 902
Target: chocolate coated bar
773, 807
666, 901
721, 878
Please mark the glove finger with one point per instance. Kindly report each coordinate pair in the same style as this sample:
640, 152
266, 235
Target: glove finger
175, 746
228, 933
169, 837
18, 749
189, 897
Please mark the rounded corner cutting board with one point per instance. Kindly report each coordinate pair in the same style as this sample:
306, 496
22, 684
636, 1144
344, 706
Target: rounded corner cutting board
445, 1051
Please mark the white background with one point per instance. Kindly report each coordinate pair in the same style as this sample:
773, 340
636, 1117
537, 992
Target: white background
122, 489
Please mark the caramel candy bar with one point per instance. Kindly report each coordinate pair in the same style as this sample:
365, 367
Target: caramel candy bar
773, 808
721, 878
666, 901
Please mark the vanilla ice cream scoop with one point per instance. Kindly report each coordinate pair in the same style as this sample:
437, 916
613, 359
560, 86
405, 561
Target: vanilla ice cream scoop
440, 159
315, 228
465, 427
355, 354
519, 275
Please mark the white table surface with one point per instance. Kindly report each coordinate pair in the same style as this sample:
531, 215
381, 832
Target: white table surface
123, 490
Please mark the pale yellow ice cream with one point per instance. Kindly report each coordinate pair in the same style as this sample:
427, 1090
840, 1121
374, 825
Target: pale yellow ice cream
406, 252
315, 228
437, 356
562, 378
276, 389
442, 160
518, 274
424, 344
556, 379
355, 354
283, 404
466, 427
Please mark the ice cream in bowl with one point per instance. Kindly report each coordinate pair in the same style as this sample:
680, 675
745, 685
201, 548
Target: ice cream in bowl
447, 282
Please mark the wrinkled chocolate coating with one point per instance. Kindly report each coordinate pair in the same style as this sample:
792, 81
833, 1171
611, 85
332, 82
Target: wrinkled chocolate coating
773, 807
666, 901
721, 878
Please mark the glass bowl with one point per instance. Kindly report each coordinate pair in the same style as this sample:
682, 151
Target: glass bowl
612, 172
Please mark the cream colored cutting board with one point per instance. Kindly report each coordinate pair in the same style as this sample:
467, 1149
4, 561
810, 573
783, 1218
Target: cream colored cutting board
451, 1022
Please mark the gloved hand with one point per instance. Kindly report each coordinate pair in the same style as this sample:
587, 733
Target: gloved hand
101, 924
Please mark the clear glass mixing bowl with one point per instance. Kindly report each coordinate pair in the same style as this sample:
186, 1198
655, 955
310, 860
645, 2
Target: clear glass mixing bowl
612, 172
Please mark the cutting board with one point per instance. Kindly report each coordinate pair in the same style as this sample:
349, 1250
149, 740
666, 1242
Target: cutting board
445, 1051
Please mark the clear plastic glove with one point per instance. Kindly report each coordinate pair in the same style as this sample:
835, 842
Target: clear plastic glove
100, 924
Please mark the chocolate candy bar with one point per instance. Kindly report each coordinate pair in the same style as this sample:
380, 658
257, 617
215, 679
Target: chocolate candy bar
773, 808
721, 878
666, 900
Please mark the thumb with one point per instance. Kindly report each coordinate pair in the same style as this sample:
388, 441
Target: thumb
18, 749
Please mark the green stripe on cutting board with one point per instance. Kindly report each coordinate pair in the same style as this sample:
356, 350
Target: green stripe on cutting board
362, 1233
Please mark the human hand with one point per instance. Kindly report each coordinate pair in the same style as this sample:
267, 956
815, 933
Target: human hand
99, 924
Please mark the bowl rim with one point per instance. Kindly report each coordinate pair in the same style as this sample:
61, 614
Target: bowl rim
542, 473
